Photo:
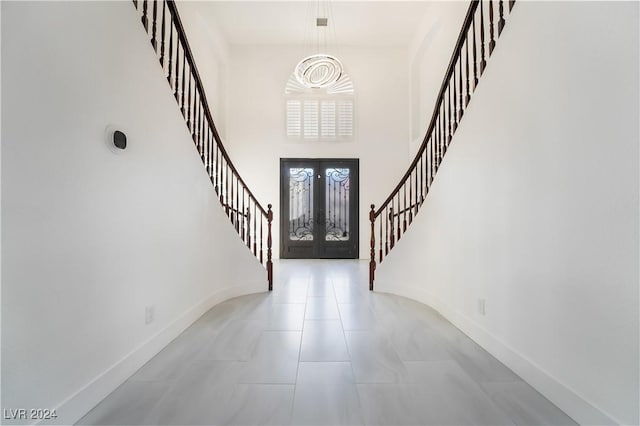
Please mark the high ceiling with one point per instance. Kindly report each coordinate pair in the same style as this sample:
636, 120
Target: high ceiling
356, 23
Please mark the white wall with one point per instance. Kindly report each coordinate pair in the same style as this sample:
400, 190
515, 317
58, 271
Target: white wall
536, 208
256, 122
90, 237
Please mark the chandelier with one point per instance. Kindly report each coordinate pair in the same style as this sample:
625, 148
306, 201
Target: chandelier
317, 71
320, 70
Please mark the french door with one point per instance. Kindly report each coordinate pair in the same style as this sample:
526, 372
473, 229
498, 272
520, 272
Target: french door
319, 208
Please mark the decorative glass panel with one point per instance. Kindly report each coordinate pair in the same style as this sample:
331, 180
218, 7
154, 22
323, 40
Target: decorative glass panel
337, 204
301, 204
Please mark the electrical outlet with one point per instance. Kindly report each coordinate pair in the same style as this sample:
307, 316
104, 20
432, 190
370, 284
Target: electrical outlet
481, 307
149, 314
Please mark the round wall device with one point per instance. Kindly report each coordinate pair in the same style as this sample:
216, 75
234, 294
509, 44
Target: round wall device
119, 139
116, 140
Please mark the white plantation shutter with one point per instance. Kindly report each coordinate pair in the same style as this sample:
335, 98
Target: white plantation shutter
311, 124
345, 118
320, 118
328, 119
294, 118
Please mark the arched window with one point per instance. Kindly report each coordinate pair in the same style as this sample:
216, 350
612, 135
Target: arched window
320, 113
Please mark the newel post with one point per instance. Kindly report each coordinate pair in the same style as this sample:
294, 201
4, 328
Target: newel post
372, 263
269, 240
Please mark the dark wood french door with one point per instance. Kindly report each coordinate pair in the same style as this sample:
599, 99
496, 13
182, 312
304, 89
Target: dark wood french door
318, 208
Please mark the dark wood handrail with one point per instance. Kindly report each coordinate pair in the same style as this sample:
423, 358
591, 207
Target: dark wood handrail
250, 219
396, 213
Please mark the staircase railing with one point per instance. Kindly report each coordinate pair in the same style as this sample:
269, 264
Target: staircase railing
483, 25
162, 23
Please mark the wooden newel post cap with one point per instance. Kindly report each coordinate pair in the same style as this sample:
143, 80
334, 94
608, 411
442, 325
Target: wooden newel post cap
372, 213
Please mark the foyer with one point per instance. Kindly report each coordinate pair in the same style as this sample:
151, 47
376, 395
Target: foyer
142, 216
323, 350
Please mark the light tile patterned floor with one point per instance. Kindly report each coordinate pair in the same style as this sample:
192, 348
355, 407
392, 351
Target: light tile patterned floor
323, 350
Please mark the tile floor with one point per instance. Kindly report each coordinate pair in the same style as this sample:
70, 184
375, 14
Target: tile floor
323, 350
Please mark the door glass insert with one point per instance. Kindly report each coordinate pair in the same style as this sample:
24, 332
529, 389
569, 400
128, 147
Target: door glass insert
337, 204
301, 204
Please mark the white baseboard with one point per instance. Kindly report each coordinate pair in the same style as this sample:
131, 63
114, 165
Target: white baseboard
569, 401
79, 404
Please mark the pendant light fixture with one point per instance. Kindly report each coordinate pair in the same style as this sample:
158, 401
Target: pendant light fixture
320, 70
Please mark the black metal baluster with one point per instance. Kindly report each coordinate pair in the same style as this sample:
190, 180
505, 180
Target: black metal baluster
410, 197
196, 119
386, 229
468, 97
404, 212
145, 20
455, 101
206, 138
154, 41
216, 167
429, 158
226, 187
483, 62
444, 142
380, 239
242, 217
162, 34
237, 206
399, 234
492, 41
255, 234
501, 21
169, 63
437, 141
203, 136
475, 59
184, 65
443, 137
248, 228
211, 153
418, 179
422, 165
200, 138
433, 151
436, 145
177, 73
461, 109
261, 238
188, 116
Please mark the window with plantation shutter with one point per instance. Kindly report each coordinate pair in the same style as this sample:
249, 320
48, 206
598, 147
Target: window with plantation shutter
320, 118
